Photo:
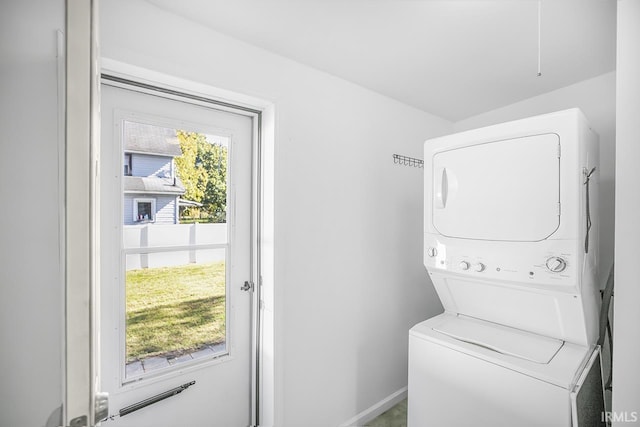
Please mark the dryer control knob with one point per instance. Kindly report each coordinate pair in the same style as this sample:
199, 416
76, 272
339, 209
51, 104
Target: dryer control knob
479, 267
556, 264
432, 252
464, 265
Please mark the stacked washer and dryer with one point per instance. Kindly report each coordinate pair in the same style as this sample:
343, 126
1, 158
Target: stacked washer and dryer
511, 246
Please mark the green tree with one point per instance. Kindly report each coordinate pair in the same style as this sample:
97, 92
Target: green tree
214, 160
193, 175
202, 168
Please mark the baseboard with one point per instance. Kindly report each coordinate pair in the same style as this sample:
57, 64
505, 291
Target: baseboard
377, 409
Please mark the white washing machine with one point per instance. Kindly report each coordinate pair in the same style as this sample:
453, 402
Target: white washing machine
510, 244
469, 372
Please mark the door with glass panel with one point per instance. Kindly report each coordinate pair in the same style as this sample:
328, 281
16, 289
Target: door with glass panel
175, 252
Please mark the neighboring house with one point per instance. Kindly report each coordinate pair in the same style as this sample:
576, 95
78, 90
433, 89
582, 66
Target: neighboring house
151, 185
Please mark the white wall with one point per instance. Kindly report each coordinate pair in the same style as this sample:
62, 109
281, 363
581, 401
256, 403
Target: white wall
596, 97
31, 289
626, 355
348, 222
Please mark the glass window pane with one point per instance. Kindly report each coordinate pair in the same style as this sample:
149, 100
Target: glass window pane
202, 168
184, 172
174, 195
161, 235
144, 211
174, 313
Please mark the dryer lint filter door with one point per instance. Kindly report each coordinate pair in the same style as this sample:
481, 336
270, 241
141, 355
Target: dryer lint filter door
506, 190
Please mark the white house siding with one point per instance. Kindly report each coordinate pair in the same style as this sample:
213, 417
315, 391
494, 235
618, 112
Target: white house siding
148, 165
165, 208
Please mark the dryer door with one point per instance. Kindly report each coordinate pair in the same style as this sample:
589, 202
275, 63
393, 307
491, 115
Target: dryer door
502, 190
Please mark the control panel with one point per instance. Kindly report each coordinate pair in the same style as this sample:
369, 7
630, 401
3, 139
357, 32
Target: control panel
556, 264
544, 263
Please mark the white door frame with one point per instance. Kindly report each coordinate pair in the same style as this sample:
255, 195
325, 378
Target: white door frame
82, 129
82, 383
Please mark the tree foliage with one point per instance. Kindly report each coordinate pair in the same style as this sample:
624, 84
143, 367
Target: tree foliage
202, 168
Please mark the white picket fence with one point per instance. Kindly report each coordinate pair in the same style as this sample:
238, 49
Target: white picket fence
152, 245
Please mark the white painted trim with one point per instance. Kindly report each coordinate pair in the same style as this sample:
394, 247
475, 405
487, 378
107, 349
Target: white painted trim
164, 193
146, 153
177, 248
377, 409
626, 316
151, 200
144, 75
61, 70
81, 219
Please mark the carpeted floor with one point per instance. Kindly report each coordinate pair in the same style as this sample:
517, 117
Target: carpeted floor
394, 417
397, 416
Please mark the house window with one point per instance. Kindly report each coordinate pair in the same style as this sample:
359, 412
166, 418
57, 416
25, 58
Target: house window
144, 210
127, 164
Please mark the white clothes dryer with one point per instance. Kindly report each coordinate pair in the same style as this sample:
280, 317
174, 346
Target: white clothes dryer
511, 224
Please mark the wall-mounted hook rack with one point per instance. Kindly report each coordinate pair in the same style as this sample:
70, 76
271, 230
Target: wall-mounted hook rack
407, 161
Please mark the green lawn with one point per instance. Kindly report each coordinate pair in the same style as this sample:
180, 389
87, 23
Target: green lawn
174, 309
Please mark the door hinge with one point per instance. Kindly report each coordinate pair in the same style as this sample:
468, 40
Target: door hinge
248, 286
101, 406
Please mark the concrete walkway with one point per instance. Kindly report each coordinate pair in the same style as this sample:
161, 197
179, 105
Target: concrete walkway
150, 364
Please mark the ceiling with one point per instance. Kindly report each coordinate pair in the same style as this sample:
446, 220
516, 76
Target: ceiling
454, 58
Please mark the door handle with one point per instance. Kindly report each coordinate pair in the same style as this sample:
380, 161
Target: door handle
442, 190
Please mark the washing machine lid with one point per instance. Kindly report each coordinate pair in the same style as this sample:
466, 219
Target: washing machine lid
501, 339
505, 190
563, 369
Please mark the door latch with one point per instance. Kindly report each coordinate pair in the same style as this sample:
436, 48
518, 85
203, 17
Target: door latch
248, 286
80, 421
